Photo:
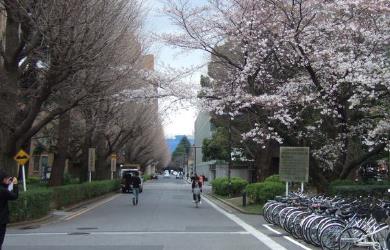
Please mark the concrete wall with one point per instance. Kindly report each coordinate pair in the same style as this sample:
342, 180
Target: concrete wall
202, 131
222, 171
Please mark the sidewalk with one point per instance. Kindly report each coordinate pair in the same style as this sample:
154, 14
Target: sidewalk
236, 203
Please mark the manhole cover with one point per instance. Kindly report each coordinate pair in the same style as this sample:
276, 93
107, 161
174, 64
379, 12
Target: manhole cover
78, 233
87, 228
30, 227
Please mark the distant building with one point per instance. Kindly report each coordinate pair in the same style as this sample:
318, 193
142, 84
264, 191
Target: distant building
173, 142
204, 129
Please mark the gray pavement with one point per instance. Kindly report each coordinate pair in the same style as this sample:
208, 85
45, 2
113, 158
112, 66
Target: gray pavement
165, 219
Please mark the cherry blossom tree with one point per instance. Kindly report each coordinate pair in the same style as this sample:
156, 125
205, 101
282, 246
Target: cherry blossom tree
309, 73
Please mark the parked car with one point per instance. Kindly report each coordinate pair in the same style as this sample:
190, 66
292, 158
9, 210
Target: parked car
167, 175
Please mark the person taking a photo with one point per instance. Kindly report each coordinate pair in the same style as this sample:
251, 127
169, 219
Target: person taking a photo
8, 191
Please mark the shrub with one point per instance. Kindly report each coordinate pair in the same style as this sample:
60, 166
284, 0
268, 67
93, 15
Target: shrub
261, 192
30, 205
147, 177
220, 186
342, 183
70, 194
274, 178
377, 190
68, 179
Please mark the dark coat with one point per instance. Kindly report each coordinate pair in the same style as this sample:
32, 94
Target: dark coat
6, 196
194, 185
136, 181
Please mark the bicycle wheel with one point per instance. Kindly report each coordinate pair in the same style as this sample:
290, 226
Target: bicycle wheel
350, 237
313, 232
297, 231
267, 211
275, 213
329, 236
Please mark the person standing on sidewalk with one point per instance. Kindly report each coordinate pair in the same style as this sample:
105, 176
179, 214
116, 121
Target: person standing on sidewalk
136, 182
8, 191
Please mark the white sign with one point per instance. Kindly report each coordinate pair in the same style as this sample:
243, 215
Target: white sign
294, 164
113, 162
91, 159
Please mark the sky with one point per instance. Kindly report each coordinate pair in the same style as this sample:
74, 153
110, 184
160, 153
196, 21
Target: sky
176, 120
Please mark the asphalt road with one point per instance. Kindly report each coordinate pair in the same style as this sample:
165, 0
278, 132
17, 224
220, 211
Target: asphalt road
165, 219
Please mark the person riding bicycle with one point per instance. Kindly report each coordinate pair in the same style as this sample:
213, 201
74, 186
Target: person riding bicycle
196, 189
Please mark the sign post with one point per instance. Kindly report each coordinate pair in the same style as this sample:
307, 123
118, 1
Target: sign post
294, 165
113, 165
22, 158
91, 162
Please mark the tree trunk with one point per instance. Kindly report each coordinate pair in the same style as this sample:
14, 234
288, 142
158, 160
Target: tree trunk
262, 164
102, 170
58, 168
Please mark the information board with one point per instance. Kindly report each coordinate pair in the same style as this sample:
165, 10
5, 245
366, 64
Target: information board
91, 159
294, 164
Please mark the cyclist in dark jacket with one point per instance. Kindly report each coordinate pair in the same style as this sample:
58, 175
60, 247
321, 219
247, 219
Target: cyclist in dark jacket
8, 191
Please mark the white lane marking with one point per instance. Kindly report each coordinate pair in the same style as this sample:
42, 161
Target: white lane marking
127, 233
91, 207
257, 234
271, 229
268, 226
297, 243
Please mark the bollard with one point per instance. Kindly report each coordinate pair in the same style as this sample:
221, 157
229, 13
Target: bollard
244, 199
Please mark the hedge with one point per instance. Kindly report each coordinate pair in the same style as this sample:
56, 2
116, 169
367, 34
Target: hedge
30, 205
377, 190
260, 192
220, 186
70, 194
37, 203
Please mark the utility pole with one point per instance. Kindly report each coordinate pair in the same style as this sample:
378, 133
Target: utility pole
194, 147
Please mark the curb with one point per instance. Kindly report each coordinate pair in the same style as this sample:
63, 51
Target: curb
232, 205
31, 222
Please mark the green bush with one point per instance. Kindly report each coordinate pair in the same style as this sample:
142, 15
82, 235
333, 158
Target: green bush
70, 194
147, 177
220, 186
261, 192
343, 183
33, 180
274, 178
68, 179
377, 190
30, 205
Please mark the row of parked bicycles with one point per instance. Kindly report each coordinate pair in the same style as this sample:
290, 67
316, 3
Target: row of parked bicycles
332, 222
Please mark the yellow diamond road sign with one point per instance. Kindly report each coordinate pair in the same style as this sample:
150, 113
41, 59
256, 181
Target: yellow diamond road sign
22, 157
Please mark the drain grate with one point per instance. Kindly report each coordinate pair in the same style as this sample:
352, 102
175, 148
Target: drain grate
87, 228
78, 233
30, 227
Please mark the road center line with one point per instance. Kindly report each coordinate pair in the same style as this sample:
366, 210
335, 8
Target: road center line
253, 231
91, 207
